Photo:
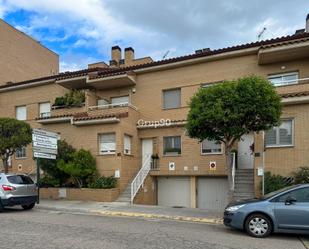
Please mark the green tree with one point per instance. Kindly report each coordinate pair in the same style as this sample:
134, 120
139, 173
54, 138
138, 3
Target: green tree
14, 134
80, 168
50, 167
226, 111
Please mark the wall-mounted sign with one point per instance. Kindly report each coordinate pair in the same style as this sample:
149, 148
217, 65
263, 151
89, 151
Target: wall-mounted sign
154, 124
260, 171
171, 166
212, 165
44, 155
117, 174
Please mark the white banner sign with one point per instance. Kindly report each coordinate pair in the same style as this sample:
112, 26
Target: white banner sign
44, 155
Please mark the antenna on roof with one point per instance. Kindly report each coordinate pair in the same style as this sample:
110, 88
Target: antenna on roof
165, 55
260, 34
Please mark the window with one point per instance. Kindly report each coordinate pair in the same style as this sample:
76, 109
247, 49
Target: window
21, 152
211, 147
172, 145
102, 102
123, 100
44, 109
301, 195
108, 143
280, 135
283, 79
127, 144
20, 179
171, 98
21, 112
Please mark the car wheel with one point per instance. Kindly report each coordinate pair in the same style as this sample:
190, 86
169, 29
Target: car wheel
28, 207
258, 225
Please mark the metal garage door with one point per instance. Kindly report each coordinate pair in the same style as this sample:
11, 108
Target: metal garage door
174, 191
212, 193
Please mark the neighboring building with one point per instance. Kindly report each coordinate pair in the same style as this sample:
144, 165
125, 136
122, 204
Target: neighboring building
133, 112
22, 57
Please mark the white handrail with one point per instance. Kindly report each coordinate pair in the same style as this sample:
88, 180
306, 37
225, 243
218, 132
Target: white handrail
140, 177
233, 169
108, 106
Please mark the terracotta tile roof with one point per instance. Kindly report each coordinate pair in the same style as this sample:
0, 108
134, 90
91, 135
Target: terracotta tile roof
117, 115
81, 116
295, 94
106, 72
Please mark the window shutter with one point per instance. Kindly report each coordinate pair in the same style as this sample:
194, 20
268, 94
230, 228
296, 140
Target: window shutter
108, 143
120, 100
270, 136
172, 98
127, 144
45, 109
21, 113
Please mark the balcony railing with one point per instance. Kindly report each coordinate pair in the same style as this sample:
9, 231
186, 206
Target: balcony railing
112, 106
291, 82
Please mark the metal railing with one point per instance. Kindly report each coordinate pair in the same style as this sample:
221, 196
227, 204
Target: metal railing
140, 177
290, 82
233, 169
110, 106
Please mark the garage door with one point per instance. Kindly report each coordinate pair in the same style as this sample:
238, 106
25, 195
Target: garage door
212, 193
174, 191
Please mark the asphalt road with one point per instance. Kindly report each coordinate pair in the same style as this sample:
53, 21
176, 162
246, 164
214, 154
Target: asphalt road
50, 229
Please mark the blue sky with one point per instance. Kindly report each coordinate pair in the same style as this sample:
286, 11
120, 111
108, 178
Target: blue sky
83, 31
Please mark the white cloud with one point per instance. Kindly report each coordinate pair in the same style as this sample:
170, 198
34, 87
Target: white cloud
154, 27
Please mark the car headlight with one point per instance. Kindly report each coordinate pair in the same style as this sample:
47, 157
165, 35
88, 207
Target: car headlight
234, 208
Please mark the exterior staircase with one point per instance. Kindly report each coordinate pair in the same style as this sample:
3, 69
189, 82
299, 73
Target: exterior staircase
244, 184
127, 196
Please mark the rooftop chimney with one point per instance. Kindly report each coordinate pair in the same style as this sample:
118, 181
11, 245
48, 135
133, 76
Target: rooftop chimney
307, 24
128, 55
116, 55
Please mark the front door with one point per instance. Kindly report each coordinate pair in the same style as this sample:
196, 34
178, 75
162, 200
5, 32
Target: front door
245, 155
147, 148
295, 214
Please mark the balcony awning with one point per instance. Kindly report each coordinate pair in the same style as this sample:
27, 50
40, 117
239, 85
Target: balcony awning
283, 52
113, 81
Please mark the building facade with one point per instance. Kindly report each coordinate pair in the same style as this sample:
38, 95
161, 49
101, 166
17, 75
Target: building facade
134, 115
22, 57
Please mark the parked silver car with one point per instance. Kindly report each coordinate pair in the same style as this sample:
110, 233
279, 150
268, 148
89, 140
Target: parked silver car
17, 189
282, 211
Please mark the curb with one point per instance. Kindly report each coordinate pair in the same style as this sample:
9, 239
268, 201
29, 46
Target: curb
305, 241
138, 215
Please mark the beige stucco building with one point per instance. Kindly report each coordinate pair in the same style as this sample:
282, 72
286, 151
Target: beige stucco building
22, 57
135, 110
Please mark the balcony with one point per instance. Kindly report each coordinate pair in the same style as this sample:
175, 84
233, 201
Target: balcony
283, 52
102, 114
93, 80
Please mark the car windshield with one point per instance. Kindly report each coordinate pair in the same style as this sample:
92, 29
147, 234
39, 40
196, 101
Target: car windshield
20, 179
271, 194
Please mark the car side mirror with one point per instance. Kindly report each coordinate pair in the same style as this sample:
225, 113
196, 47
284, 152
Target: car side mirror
290, 200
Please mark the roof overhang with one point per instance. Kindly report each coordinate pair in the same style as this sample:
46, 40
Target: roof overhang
96, 121
73, 83
295, 100
55, 120
283, 52
115, 81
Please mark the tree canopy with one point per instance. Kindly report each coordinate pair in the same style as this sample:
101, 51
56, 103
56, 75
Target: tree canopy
14, 134
226, 111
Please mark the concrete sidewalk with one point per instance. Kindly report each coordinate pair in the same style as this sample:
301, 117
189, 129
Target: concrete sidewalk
125, 210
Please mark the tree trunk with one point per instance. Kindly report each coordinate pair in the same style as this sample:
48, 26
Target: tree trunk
5, 166
229, 165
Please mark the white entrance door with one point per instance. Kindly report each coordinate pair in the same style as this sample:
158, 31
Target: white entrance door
245, 155
147, 149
